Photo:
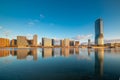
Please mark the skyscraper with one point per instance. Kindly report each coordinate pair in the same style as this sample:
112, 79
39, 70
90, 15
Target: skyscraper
89, 43
99, 35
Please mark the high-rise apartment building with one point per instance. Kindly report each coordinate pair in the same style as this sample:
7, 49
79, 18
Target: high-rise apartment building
46, 42
35, 40
66, 42
22, 41
99, 34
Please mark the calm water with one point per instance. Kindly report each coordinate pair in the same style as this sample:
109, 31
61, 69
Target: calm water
59, 64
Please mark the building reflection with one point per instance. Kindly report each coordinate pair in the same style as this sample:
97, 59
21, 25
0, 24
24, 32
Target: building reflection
57, 52
77, 50
4, 52
47, 52
89, 51
23, 53
65, 52
99, 62
34, 53
71, 51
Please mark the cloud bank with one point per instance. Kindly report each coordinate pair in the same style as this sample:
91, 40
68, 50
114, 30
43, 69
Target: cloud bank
82, 37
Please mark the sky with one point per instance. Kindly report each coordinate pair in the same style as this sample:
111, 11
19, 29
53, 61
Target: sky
59, 19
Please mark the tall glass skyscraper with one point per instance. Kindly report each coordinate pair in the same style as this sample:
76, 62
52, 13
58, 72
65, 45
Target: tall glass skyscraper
99, 34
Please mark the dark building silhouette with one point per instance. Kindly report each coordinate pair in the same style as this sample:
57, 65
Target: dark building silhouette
72, 43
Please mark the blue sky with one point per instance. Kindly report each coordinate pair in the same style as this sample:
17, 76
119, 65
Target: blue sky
59, 18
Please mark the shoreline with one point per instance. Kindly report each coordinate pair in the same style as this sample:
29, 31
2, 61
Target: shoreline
96, 47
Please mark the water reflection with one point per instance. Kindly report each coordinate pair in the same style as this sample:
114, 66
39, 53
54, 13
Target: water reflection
65, 52
99, 62
23, 53
4, 52
55, 52
77, 50
80, 63
47, 52
89, 51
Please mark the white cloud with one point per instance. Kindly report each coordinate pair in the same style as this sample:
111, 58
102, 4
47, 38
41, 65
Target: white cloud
42, 16
33, 22
82, 37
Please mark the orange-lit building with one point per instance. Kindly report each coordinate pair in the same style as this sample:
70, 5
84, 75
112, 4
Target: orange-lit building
4, 42
65, 43
77, 43
35, 37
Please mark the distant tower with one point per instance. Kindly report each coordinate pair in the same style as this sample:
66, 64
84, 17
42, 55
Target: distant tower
35, 40
89, 43
99, 35
53, 40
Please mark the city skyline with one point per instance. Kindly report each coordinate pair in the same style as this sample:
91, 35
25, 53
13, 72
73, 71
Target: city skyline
58, 19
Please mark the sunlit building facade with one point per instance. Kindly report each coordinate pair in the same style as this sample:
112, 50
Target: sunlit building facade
62, 43
22, 41
66, 42
46, 42
4, 42
77, 43
35, 40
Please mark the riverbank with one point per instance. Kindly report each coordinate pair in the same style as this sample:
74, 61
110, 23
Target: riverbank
94, 47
